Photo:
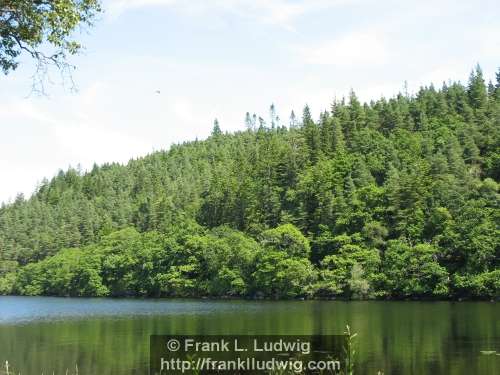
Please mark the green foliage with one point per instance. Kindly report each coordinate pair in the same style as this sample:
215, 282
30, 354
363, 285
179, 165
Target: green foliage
27, 25
398, 198
414, 271
485, 284
69, 273
287, 238
279, 276
223, 260
7, 276
351, 272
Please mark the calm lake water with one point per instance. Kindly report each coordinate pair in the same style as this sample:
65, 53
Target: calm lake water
111, 336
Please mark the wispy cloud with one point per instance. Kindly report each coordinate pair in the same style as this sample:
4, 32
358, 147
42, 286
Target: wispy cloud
353, 49
116, 7
371, 46
489, 41
280, 13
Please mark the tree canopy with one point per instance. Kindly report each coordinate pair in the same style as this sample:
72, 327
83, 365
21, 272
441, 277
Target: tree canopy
396, 198
42, 29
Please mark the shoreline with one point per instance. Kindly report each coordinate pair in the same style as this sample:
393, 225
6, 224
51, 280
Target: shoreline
263, 299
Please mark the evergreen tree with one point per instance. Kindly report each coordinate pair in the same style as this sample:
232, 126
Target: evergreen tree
476, 90
337, 207
216, 131
311, 135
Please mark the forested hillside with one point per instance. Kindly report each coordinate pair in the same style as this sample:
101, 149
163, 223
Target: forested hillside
396, 198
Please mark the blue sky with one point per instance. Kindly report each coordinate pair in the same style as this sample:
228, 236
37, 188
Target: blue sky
222, 58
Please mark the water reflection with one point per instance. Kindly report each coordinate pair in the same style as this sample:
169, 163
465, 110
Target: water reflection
105, 336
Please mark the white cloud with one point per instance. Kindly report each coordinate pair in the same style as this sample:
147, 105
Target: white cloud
354, 49
444, 72
488, 39
102, 123
117, 7
117, 114
280, 13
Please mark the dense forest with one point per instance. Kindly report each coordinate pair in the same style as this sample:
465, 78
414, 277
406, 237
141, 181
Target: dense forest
396, 198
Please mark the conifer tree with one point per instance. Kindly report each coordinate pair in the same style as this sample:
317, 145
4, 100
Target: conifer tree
476, 90
311, 135
216, 131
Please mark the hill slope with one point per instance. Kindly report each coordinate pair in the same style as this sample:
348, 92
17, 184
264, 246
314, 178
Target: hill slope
395, 198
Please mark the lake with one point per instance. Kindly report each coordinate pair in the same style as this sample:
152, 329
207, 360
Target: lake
111, 336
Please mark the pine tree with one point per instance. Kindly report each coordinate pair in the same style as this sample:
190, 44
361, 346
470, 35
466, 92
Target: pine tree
414, 171
497, 85
311, 135
293, 120
326, 133
338, 144
274, 117
476, 90
248, 122
356, 113
216, 131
